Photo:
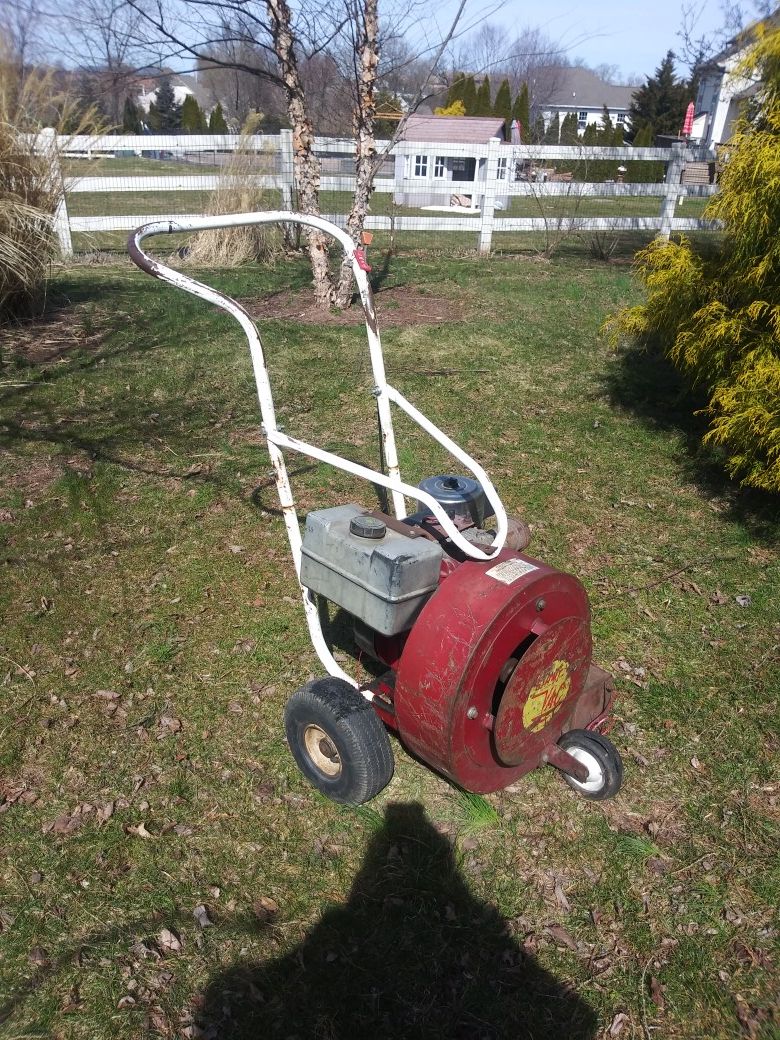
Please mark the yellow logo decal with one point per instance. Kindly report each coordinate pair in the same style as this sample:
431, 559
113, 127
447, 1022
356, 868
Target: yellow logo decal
544, 699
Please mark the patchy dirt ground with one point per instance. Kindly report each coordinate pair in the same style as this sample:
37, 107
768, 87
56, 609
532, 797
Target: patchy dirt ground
47, 339
395, 305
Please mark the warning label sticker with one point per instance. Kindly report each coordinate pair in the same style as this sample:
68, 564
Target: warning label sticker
510, 570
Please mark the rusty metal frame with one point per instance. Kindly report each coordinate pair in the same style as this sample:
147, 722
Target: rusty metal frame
277, 441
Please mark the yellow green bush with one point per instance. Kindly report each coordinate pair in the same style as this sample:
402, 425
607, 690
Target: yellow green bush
718, 317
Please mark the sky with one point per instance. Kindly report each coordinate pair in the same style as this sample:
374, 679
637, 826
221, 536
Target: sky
632, 34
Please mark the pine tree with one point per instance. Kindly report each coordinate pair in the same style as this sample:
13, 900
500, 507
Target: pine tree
590, 135
484, 105
131, 117
90, 108
521, 113
168, 109
153, 118
217, 124
469, 97
553, 132
192, 119
569, 133
717, 316
618, 137
606, 129
645, 138
661, 102
455, 93
645, 171
502, 107
537, 133
387, 102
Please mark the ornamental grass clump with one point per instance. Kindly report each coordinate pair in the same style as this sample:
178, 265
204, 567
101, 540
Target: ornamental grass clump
718, 318
29, 192
31, 186
239, 192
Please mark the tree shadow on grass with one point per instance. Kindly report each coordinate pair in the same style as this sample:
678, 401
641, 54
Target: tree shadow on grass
410, 954
646, 383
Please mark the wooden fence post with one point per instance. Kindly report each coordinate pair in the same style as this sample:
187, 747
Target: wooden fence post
489, 198
48, 147
673, 177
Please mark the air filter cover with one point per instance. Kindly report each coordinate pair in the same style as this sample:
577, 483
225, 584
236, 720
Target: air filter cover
459, 496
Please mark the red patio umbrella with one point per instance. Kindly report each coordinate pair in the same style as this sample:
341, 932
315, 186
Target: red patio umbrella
687, 129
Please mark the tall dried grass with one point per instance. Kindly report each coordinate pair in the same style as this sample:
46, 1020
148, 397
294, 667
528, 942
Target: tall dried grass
238, 193
28, 198
30, 179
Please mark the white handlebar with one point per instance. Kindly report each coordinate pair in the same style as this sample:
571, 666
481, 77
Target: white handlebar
383, 391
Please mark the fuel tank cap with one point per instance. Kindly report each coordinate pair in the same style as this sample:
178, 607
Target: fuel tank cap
367, 527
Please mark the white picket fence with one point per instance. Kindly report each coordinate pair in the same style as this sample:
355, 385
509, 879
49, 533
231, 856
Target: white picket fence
490, 189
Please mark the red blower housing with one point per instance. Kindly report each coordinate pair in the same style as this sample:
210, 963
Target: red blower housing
496, 668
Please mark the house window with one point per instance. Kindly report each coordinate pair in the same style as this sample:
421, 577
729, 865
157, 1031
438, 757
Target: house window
439, 167
459, 169
582, 120
501, 168
421, 166
620, 118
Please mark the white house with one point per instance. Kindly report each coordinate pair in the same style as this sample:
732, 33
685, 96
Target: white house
581, 91
146, 97
722, 91
442, 167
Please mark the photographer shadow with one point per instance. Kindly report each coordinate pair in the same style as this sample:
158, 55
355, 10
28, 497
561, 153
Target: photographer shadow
411, 954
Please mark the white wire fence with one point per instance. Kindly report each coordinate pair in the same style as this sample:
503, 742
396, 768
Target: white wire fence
446, 196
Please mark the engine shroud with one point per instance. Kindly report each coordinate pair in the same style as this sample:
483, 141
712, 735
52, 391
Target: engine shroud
460, 702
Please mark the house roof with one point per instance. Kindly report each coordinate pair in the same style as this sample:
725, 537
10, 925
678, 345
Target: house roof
461, 129
582, 88
743, 39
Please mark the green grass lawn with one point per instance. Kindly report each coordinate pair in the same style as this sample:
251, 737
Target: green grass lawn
164, 203
597, 206
152, 632
132, 165
141, 203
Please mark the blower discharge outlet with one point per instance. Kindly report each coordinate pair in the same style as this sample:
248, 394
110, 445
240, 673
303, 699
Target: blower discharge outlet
484, 653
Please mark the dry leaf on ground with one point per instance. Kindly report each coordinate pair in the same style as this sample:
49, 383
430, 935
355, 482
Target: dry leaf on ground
168, 941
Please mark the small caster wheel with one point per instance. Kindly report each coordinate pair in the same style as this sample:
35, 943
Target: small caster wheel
605, 767
338, 741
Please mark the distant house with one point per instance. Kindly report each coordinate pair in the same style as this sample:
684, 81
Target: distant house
722, 94
148, 92
439, 170
581, 91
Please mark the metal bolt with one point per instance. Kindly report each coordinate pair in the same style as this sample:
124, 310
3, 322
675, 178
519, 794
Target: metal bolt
540, 604
472, 712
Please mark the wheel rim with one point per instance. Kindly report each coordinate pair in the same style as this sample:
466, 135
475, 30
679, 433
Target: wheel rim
322, 751
596, 777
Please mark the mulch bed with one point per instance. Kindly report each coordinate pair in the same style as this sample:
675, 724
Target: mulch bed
395, 305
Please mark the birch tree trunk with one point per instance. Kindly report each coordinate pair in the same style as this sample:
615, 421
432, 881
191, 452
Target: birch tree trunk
335, 30
306, 167
367, 60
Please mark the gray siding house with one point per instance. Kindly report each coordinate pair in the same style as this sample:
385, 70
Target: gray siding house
583, 92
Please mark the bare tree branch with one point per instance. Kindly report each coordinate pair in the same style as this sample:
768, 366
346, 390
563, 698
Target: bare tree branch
418, 97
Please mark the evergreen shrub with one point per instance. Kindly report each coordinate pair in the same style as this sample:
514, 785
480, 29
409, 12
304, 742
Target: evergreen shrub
718, 317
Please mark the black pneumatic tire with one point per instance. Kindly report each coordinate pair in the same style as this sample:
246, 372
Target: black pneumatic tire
338, 741
603, 760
